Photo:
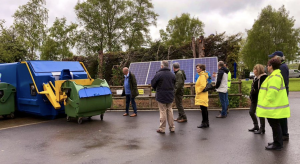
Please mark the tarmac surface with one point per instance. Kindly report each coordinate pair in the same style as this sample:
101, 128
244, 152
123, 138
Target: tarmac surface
123, 140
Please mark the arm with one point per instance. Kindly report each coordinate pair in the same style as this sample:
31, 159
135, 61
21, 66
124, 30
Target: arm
179, 81
202, 84
273, 89
219, 79
154, 81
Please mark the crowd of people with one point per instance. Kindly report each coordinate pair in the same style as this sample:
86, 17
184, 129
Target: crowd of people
269, 95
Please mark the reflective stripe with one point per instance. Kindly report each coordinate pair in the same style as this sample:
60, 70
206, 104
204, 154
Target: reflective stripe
278, 76
279, 107
263, 88
274, 88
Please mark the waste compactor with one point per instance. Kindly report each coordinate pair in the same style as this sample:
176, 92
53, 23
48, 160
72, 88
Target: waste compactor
7, 100
39, 88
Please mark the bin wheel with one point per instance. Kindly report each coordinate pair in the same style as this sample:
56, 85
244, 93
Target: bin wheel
89, 118
12, 115
101, 116
68, 119
79, 120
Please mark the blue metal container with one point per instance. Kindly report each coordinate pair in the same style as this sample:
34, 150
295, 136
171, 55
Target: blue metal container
28, 100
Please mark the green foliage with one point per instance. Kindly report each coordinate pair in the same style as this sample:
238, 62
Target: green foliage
30, 23
61, 38
299, 67
272, 31
11, 47
180, 30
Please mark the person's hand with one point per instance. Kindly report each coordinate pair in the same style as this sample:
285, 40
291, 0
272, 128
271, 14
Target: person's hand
214, 74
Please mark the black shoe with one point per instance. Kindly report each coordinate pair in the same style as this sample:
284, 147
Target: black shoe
272, 147
260, 131
203, 125
253, 129
270, 143
285, 138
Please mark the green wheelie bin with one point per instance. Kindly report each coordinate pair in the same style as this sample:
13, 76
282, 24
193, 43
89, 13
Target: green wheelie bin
7, 100
86, 101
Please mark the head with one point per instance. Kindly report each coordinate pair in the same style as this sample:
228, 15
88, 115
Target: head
276, 53
125, 70
220, 64
176, 66
273, 64
278, 57
258, 69
164, 64
226, 65
200, 68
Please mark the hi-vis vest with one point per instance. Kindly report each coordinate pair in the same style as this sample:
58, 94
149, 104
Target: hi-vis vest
229, 80
272, 98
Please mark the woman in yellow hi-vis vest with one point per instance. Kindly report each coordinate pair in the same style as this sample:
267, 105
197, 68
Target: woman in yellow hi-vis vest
273, 103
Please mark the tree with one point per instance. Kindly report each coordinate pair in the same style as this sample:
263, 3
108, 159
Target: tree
141, 17
272, 31
11, 47
30, 23
181, 30
61, 38
103, 22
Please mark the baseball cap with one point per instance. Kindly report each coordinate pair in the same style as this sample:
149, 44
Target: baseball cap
276, 53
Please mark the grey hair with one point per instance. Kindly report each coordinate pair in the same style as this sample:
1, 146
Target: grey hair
165, 63
221, 64
279, 58
176, 65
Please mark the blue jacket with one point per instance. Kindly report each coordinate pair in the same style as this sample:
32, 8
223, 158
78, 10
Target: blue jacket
285, 73
164, 84
208, 80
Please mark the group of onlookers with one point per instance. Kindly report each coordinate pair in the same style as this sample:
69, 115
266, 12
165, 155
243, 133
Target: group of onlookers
269, 95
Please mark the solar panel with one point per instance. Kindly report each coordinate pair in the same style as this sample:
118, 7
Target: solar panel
140, 70
154, 67
145, 71
211, 65
188, 67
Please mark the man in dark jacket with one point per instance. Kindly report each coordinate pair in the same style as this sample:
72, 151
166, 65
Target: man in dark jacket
180, 78
222, 88
164, 82
130, 91
285, 74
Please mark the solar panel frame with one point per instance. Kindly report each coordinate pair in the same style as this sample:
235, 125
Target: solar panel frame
139, 69
185, 64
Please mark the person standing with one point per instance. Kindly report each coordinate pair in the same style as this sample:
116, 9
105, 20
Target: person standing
285, 74
164, 84
180, 78
228, 84
130, 91
202, 97
259, 78
273, 103
222, 88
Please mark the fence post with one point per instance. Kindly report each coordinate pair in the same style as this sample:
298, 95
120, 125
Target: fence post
240, 92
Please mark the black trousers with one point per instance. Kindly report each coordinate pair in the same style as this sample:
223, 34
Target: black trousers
204, 114
252, 112
277, 132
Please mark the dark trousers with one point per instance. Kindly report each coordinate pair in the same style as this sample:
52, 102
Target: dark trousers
284, 122
128, 100
204, 114
254, 118
277, 133
178, 101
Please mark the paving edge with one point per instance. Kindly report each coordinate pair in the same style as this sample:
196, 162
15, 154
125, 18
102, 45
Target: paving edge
147, 110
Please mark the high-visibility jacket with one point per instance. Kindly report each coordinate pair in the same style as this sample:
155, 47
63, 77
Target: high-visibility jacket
272, 98
229, 80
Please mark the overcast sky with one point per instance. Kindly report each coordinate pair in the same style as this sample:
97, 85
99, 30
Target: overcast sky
232, 16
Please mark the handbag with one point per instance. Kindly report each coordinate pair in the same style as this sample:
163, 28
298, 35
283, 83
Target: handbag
208, 87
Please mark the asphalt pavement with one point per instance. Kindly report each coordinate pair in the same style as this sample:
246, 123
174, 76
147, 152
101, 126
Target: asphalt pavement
124, 140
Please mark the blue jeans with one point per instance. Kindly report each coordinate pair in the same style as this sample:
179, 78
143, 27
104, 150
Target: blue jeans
224, 104
227, 100
128, 99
